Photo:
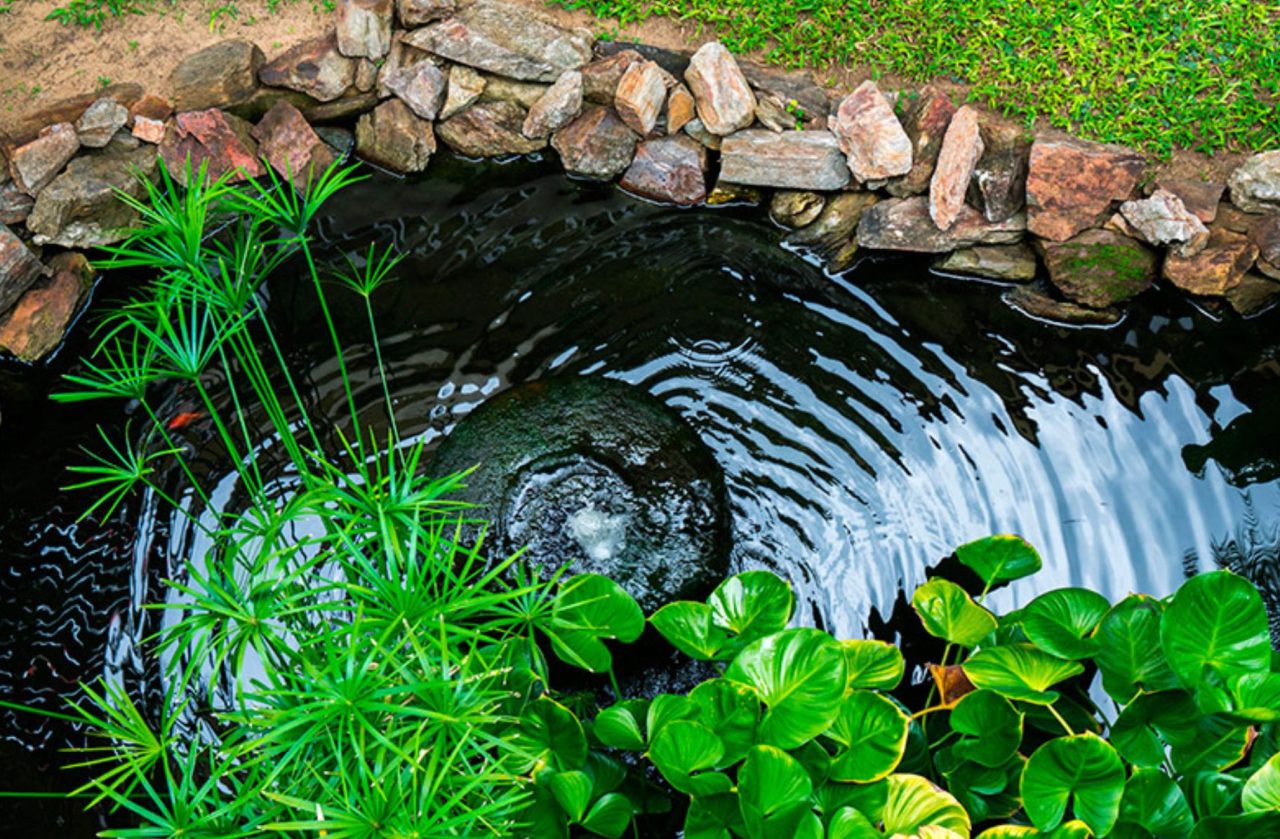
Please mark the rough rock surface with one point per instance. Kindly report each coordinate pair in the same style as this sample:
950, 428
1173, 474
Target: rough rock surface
796, 208
36, 326
1012, 263
218, 76
926, 123
1036, 301
147, 118
1253, 295
1163, 219
512, 41
39, 161
488, 129
789, 160
27, 128
833, 236
680, 108
771, 112
961, 148
557, 107
999, 187
1099, 268
363, 27
597, 144
290, 145
100, 122
215, 138
1200, 197
19, 268
1255, 184
421, 12
465, 87
1265, 235
669, 169
1072, 184
695, 129
724, 99
600, 78
15, 205
502, 89
903, 224
392, 136
871, 136
80, 208
421, 86
640, 96
795, 88
314, 67
1216, 269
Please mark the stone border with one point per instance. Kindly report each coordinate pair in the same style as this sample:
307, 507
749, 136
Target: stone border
1078, 227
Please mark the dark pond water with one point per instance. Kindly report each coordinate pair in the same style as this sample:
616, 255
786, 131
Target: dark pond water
866, 424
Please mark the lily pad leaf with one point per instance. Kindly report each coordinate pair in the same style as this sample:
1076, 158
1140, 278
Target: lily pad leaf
948, 612
609, 816
682, 748
873, 732
1020, 671
873, 664
915, 804
732, 711
774, 793
1262, 790
993, 728
1129, 654
1082, 770
752, 604
800, 675
1000, 559
1154, 802
1218, 621
1060, 621
691, 628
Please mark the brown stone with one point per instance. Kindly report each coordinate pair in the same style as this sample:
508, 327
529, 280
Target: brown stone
556, 108
465, 87
726, 193
217, 76
695, 129
81, 208
640, 97
796, 208
340, 109
147, 118
502, 89
400, 55
789, 160
100, 122
871, 136
363, 27
1200, 197
799, 94
724, 100
37, 324
926, 123
1036, 301
771, 112
33, 165
600, 78
19, 268
15, 205
212, 138
1253, 295
488, 129
597, 144
904, 224
392, 136
366, 76
69, 110
1216, 269
669, 169
314, 67
680, 108
833, 236
1011, 263
1265, 235
999, 187
961, 148
287, 142
421, 12
421, 86
1072, 184
1099, 268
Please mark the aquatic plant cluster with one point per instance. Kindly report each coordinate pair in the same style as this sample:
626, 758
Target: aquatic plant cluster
382, 676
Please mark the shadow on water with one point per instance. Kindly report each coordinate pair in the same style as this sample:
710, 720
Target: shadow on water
866, 424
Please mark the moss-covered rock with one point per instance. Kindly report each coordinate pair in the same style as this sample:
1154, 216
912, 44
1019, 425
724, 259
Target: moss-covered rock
1099, 268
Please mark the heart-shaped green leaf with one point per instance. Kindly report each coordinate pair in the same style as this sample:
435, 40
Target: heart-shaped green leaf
800, 674
1256, 697
948, 612
1218, 742
1154, 802
873, 732
1060, 621
1129, 653
682, 748
848, 823
992, 725
587, 608
668, 707
752, 604
1262, 790
573, 793
1247, 826
1213, 793
873, 664
868, 799
773, 792
1000, 559
1082, 770
1216, 620
619, 725
609, 816
732, 711
713, 817
550, 734
690, 628
1020, 671
915, 804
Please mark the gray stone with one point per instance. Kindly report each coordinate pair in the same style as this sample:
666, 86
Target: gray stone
961, 148
19, 268
314, 67
1265, 235
502, 89
1099, 268
512, 41
100, 122
1011, 263
421, 86
556, 108
870, 135
420, 12
363, 27
903, 224
394, 137
803, 98
1255, 185
925, 121
597, 144
1036, 301
788, 160
218, 76
793, 208
1163, 219
640, 96
488, 129
999, 187
400, 56
695, 129
669, 169
771, 112
833, 237
600, 78
724, 99
1200, 197
81, 208
35, 164
465, 87
15, 205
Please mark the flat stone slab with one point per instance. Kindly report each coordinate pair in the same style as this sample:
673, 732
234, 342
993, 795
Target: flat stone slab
314, 67
489, 129
904, 224
1072, 184
1011, 263
805, 160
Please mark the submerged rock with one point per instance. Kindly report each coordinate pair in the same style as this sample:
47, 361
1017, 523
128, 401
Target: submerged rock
809, 160
1072, 184
871, 136
597, 144
723, 97
904, 224
791, 208
1036, 301
669, 169
833, 235
489, 129
1100, 268
1255, 185
1253, 295
1011, 263
601, 476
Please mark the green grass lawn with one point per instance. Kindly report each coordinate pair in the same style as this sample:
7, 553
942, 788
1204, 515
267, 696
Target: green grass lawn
1158, 74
